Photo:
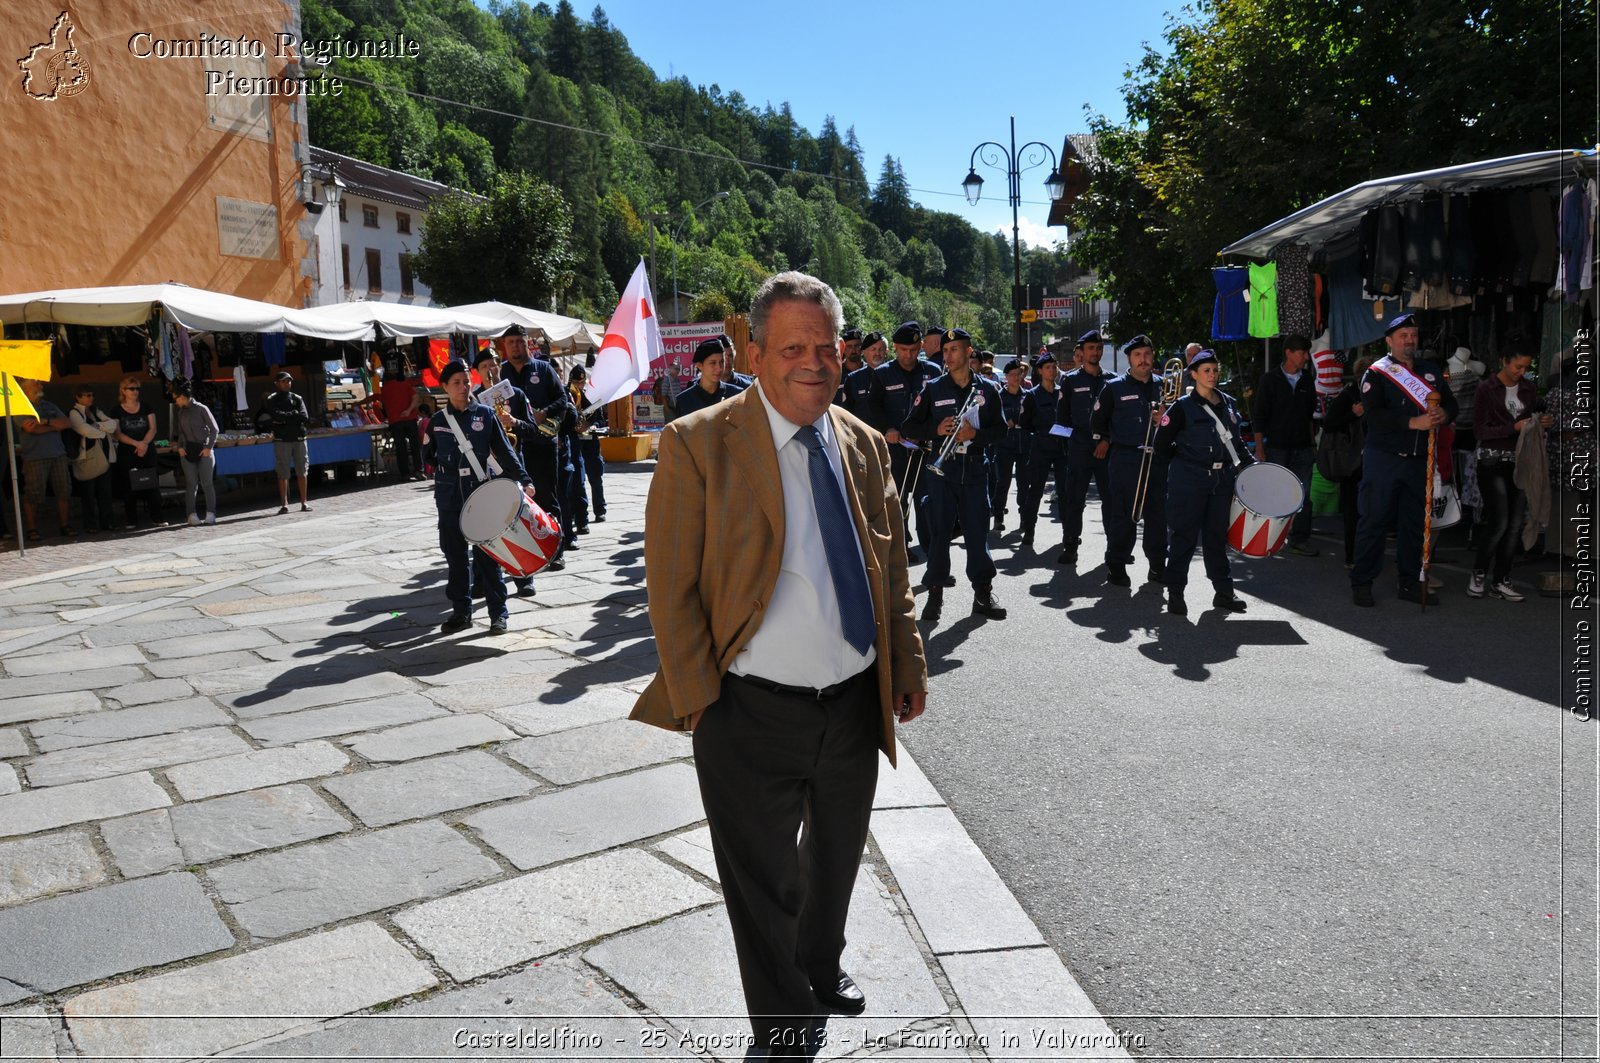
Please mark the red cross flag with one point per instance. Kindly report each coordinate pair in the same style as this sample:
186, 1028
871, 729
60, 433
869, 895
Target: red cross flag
632, 342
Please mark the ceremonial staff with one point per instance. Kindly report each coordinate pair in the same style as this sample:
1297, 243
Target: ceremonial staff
1427, 510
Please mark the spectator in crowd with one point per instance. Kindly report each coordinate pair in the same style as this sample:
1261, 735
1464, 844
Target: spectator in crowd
400, 402
1344, 414
1285, 405
729, 376
709, 357
1502, 408
289, 418
197, 439
44, 460
137, 478
91, 460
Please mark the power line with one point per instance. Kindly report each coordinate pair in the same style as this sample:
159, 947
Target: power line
641, 143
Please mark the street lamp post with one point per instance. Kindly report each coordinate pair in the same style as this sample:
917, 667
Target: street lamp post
1015, 162
677, 313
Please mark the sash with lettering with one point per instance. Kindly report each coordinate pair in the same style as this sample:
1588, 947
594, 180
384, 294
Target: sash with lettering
1416, 389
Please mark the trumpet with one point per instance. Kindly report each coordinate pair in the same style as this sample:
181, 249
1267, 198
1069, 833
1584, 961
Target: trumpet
936, 466
1171, 388
550, 425
502, 416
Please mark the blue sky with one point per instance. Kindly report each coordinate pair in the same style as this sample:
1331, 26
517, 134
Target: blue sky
925, 82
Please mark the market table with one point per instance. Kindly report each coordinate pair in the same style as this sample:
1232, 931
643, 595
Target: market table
350, 444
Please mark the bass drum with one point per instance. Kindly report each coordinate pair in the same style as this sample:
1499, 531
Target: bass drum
503, 522
1265, 499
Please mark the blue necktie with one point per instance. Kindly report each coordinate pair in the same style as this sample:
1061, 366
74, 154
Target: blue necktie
844, 563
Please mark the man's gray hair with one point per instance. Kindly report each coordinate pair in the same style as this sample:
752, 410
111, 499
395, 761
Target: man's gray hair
798, 286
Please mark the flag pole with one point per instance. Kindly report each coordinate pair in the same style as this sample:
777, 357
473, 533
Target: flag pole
11, 454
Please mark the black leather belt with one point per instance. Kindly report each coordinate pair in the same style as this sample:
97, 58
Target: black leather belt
808, 693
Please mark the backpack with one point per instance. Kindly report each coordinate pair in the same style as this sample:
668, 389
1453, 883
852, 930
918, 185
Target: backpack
1339, 451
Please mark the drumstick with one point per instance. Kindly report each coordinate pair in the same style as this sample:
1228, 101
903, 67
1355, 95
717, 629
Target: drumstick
1427, 510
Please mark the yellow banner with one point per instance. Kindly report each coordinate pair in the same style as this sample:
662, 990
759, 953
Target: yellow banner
11, 393
26, 358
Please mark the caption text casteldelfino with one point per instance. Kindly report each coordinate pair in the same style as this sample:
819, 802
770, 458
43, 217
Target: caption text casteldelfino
146, 45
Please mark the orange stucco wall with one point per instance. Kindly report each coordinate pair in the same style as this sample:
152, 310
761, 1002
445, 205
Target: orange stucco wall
117, 183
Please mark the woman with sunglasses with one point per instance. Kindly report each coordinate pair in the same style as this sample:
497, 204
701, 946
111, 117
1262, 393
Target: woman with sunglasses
136, 433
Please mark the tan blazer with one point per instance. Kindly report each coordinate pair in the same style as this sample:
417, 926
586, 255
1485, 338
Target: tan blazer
714, 542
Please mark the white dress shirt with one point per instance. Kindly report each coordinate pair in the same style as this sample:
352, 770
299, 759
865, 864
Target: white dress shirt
800, 642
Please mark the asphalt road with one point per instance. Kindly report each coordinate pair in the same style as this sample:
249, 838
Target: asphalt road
1309, 831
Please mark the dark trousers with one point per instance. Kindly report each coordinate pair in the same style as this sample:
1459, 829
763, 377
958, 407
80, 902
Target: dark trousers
1392, 496
1198, 502
1009, 463
479, 569
770, 764
1123, 466
540, 459
407, 448
126, 462
569, 486
1503, 508
1079, 473
1300, 461
594, 471
1043, 462
97, 508
907, 467
962, 493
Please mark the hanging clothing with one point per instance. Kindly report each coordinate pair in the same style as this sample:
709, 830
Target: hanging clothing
1383, 251
1542, 224
1458, 258
1573, 241
240, 401
1295, 316
1263, 300
1352, 320
1230, 318
1423, 256
185, 353
273, 350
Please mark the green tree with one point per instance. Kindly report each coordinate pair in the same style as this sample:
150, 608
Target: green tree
514, 246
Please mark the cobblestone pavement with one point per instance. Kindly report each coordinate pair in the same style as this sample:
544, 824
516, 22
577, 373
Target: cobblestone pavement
251, 803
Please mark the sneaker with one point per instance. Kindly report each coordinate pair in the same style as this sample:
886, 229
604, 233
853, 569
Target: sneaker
984, 603
525, 589
1303, 550
211, 518
1361, 594
1506, 591
1117, 576
454, 624
499, 626
1476, 584
194, 521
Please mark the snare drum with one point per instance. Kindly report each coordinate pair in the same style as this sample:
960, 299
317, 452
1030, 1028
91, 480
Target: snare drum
1265, 499
503, 522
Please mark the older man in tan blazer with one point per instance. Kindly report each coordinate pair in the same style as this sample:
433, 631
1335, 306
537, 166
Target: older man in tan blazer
784, 622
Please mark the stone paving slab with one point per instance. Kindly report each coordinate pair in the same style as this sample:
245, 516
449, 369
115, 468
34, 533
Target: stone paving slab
601, 749
221, 827
147, 692
382, 796
928, 849
48, 864
246, 600
692, 849
1031, 996
34, 811
10, 782
12, 743
130, 755
256, 769
183, 667
281, 694
443, 735
81, 937
555, 1010
325, 882
46, 706
138, 632
592, 817
27, 1034
494, 927
116, 725
62, 661
341, 719
253, 995
12, 690
542, 661
536, 718
207, 645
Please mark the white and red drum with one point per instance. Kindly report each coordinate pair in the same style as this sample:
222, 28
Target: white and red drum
507, 525
1265, 499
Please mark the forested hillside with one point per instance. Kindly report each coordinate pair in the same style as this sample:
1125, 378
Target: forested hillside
556, 98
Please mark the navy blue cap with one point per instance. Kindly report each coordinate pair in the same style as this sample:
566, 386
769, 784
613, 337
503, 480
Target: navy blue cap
851, 333
1201, 357
956, 335
1042, 357
1141, 340
517, 330
714, 345
909, 332
871, 339
1092, 336
1018, 364
1403, 321
482, 354
451, 368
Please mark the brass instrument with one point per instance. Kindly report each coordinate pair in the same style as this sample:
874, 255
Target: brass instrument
550, 425
1171, 388
936, 466
577, 402
502, 416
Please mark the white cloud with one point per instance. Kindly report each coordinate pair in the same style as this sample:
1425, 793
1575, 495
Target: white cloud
1035, 234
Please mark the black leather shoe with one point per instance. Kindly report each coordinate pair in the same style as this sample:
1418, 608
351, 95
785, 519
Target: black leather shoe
999, 524
1175, 603
454, 624
1068, 557
934, 606
1227, 600
1027, 536
1117, 576
1156, 574
525, 589
844, 997
984, 603
499, 626
1414, 592
556, 564
599, 518
1361, 594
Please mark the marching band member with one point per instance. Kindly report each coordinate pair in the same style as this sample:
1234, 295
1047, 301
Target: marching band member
1199, 438
1120, 427
1047, 451
900, 380
709, 357
1079, 390
1011, 453
540, 383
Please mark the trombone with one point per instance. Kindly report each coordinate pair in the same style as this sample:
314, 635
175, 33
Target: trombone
1171, 388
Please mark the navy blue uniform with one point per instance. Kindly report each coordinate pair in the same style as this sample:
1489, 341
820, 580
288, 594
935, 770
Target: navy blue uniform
1121, 417
1079, 390
1010, 457
963, 491
453, 481
887, 408
540, 384
594, 467
739, 382
859, 389
1047, 453
694, 399
569, 481
1200, 476
1394, 474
